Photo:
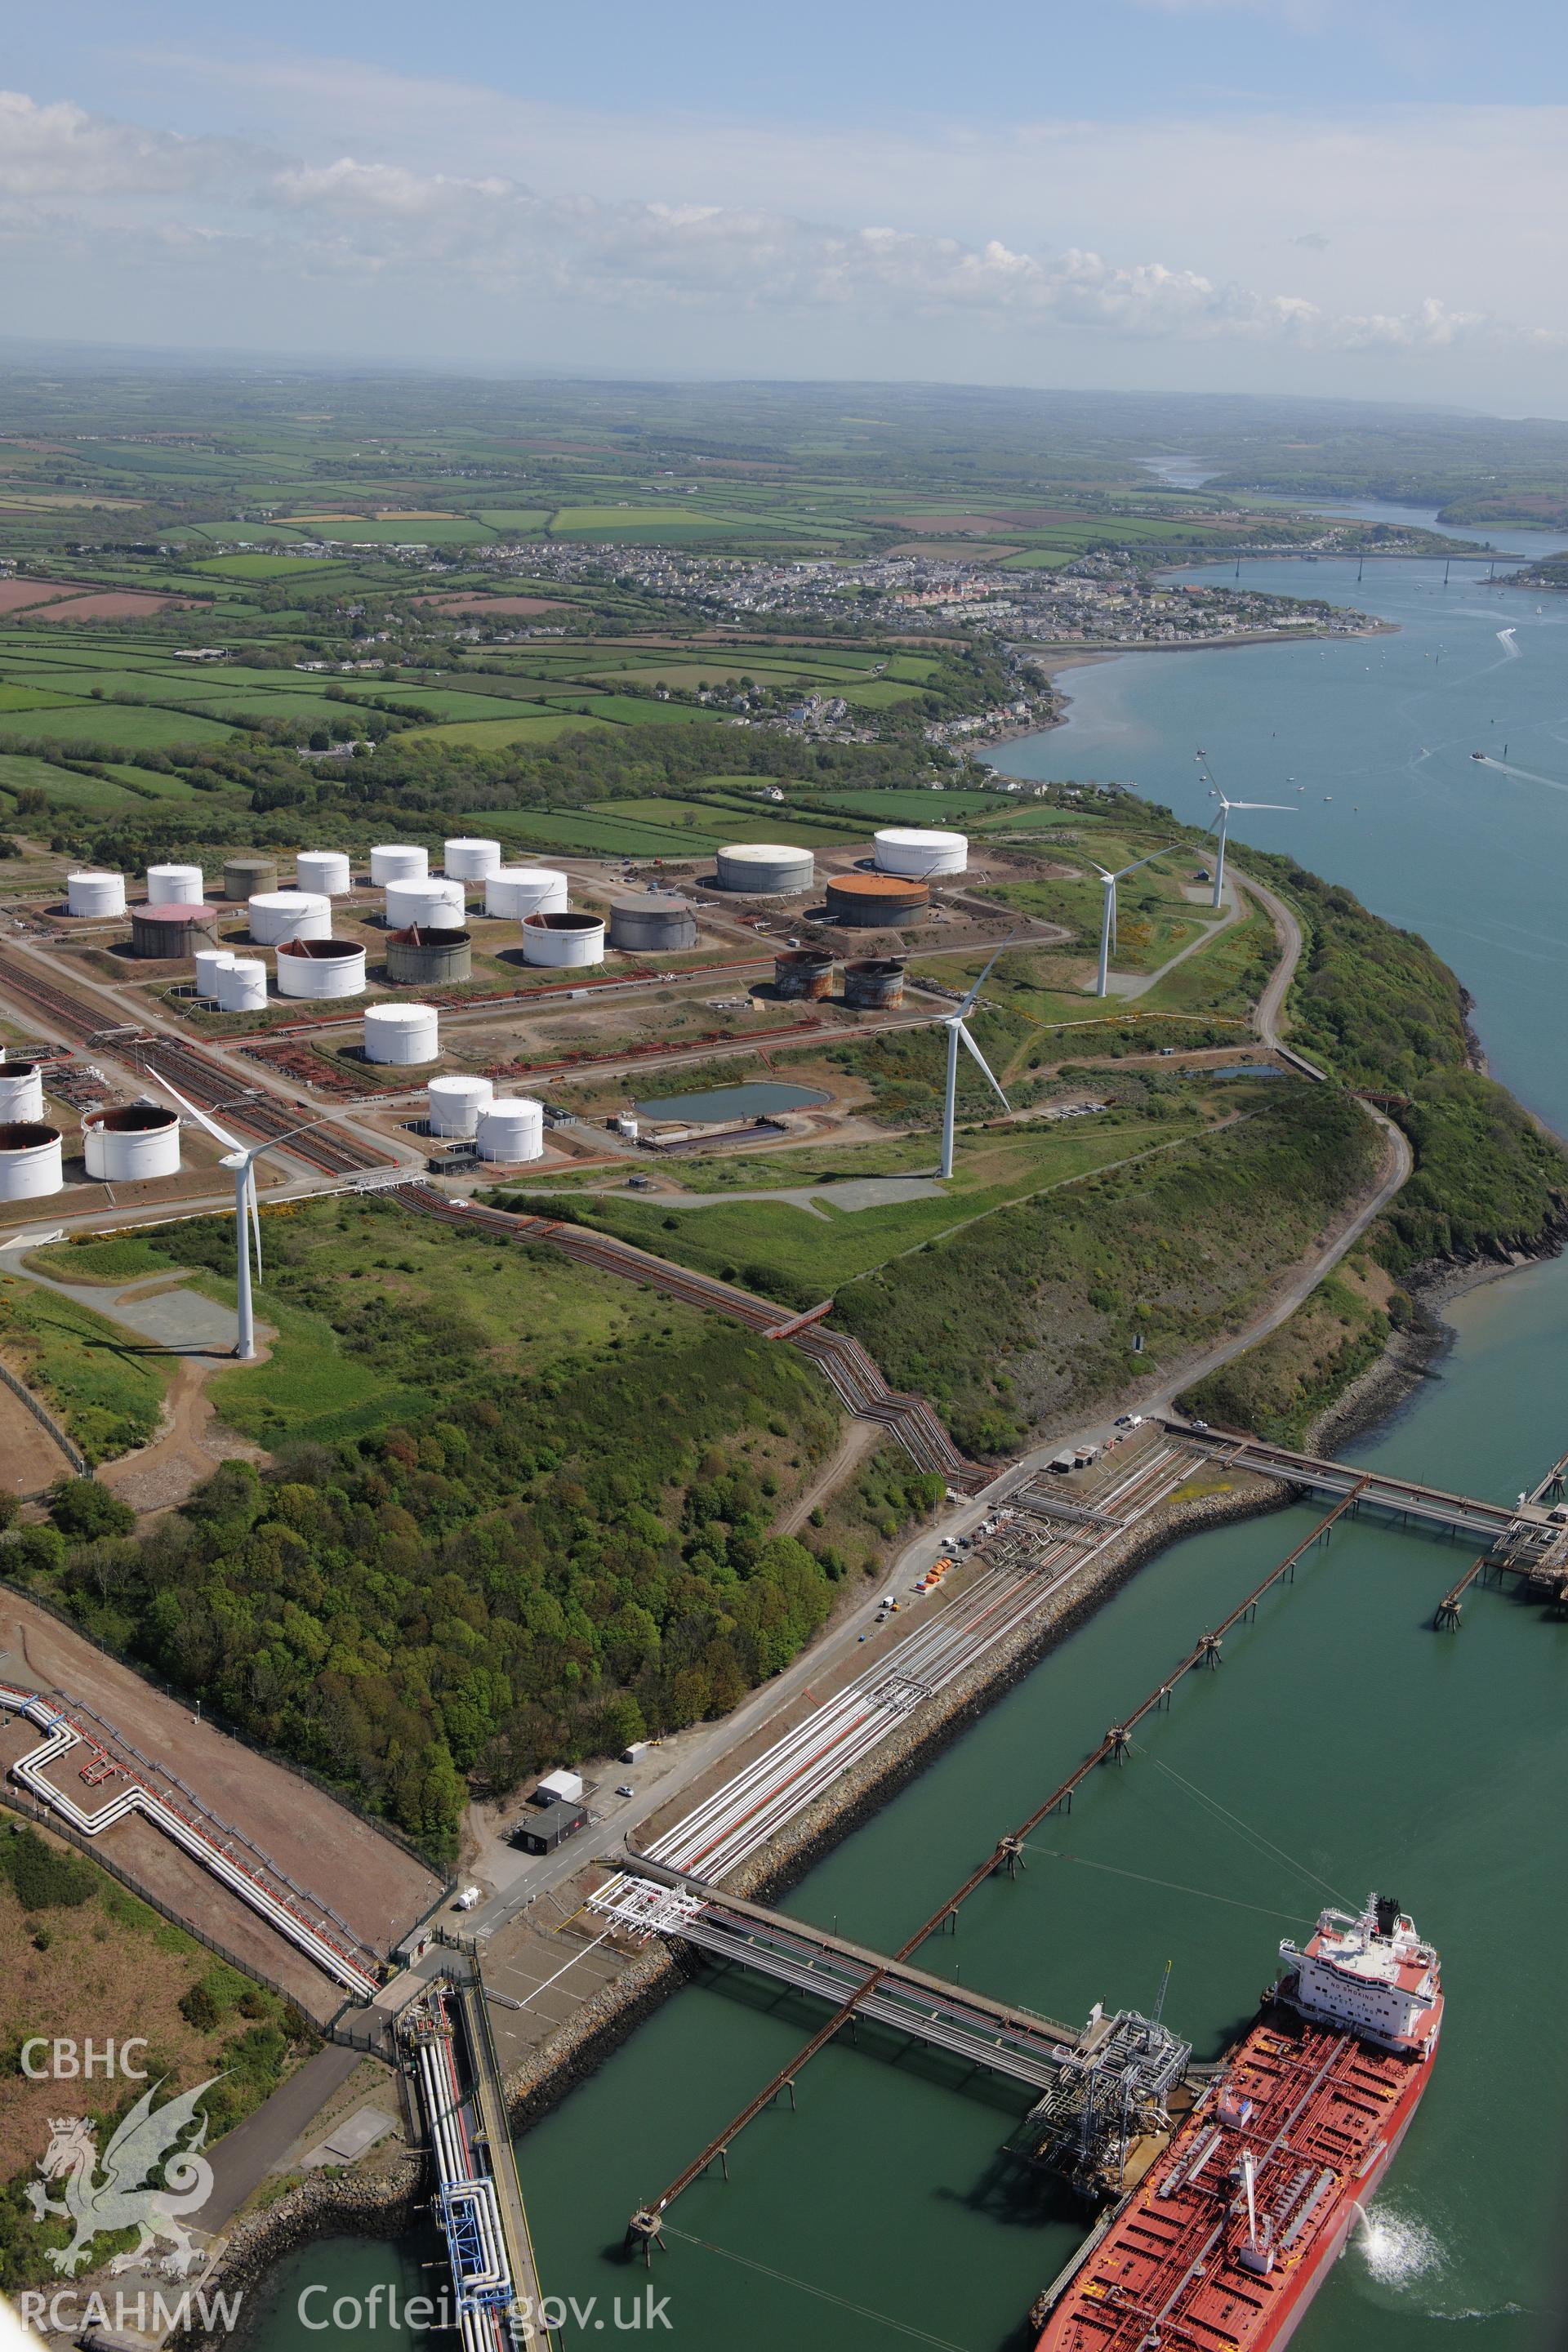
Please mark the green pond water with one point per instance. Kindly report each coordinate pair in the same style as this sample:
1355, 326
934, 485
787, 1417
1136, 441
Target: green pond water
755, 1099
1344, 1743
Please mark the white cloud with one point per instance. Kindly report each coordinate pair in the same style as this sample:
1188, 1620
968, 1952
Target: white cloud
577, 238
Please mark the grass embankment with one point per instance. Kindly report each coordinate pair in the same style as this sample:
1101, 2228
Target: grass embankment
1035, 1311
797, 1254
86, 1959
541, 1527
1380, 1010
105, 1386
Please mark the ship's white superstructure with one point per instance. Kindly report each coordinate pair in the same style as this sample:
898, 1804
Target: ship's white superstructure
1370, 1972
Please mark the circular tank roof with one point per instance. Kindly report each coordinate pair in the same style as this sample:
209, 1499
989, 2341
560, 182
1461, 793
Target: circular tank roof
761, 853
560, 921
319, 951
899, 886
27, 1135
650, 902
914, 836
132, 1119
173, 915
430, 935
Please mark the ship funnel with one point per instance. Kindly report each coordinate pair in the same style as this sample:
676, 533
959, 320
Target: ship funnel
1387, 1908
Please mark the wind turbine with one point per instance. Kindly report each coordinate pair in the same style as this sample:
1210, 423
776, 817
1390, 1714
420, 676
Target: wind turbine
954, 1023
1223, 821
1107, 918
241, 1163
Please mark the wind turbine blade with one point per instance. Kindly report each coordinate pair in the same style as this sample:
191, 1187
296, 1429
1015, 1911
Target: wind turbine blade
984, 1064
1102, 872
255, 1214
199, 1116
1287, 808
969, 1001
1162, 851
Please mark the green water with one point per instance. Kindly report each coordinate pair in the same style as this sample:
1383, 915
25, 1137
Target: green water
753, 1100
1343, 1744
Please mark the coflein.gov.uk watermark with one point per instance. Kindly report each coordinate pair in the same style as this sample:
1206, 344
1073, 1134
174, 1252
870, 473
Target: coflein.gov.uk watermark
71, 2312
319, 2311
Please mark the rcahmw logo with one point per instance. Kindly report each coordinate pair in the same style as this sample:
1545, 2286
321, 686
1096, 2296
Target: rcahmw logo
67, 2313
149, 2144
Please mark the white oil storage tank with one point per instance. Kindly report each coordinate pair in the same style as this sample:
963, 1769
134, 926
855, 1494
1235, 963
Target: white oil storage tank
133, 1145
396, 862
209, 962
242, 985
765, 868
175, 885
521, 890
325, 871
31, 1163
401, 1033
435, 904
94, 894
911, 849
563, 939
320, 968
21, 1093
280, 915
471, 861
511, 1129
456, 1103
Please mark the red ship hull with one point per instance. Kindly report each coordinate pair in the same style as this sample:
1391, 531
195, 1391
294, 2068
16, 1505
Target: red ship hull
1317, 2115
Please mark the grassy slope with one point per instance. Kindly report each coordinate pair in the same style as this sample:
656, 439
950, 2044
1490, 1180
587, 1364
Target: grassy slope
105, 1386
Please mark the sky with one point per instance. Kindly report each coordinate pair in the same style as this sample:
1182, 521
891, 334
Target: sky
1358, 198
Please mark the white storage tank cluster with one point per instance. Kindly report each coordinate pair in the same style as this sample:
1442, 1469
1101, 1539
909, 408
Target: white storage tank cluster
94, 894
562, 938
456, 1103
209, 962
280, 915
435, 904
911, 849
133, 1145
21, 1092
175, 885
511, 1129
31, 1161
325, 871
401, 1033
242, 985
471, 861
765, 868
395, 862
320, 968
521, 890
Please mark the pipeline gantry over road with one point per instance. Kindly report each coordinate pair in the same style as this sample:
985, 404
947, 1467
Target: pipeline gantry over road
449, 2051
854, 1980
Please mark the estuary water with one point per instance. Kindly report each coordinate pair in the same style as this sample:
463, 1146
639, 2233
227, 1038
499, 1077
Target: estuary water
1343, 1744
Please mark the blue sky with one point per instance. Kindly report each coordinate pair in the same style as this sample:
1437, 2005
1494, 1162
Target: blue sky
1254, 194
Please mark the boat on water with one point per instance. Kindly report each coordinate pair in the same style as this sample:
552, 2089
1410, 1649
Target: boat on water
1225, 2241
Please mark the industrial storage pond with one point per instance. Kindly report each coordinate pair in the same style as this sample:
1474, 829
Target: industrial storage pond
753, 1100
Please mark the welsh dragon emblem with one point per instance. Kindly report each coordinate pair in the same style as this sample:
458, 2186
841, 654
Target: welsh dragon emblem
120, 2196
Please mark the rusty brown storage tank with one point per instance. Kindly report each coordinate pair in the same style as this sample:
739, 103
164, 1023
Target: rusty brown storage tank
802, 971
650, 923
874, 983
248, 878
426, 958
877, 901
170, 932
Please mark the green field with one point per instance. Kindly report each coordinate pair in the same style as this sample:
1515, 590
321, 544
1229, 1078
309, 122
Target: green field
105, 1385
120, 726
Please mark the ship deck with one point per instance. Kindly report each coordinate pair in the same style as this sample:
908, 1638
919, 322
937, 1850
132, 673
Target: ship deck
1325, 2109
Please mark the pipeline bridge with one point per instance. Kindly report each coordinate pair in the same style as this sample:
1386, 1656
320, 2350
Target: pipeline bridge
1526, 1528
445, 2038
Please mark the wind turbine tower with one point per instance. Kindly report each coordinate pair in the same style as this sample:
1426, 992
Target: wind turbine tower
1108, 916
1222, 822
954, 1025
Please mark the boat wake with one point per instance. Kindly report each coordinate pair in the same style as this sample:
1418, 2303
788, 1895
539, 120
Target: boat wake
1525, 775
1399, 2249
1505, 639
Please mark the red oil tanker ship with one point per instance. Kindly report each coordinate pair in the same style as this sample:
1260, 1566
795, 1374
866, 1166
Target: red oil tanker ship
1234, 2228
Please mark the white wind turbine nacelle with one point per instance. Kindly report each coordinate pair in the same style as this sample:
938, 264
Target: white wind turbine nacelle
1222, 821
